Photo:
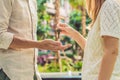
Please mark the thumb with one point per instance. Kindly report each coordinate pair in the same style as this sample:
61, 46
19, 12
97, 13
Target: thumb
67, 46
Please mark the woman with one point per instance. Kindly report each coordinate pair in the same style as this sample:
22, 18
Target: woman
102, 48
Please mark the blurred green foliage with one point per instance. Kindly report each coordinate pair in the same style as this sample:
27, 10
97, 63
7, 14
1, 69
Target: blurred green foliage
77, 3
76, 18
42, 28
43, 31
67, 65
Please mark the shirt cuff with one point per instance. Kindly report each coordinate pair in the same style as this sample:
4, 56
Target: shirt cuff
5, 40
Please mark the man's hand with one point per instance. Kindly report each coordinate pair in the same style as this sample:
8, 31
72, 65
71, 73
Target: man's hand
52, 45
47, 44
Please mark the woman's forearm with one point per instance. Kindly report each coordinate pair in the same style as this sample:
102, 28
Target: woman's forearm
107, 66
79, 39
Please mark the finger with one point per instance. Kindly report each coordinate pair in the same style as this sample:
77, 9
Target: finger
56, 48
63, 29
66, 46
56, 43
61, 25
62, 47
59, 46
63, 32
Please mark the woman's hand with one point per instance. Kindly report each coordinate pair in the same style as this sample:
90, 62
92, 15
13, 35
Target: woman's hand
69, 31
66, 29
49, 44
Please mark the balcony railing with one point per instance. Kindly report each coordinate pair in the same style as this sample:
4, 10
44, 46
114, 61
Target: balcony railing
61, 76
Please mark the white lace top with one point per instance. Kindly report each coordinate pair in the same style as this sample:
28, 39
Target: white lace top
107, 23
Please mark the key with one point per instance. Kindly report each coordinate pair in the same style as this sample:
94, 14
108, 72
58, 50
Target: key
58, 33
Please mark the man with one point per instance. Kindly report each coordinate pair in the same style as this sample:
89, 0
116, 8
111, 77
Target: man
18, 20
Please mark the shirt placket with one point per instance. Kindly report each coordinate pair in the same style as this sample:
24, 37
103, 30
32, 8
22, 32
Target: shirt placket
30, 5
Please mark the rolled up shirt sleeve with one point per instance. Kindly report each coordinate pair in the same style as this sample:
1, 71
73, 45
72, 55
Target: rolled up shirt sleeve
5, 13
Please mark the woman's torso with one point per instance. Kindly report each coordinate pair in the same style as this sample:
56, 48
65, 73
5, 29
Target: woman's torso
94, 49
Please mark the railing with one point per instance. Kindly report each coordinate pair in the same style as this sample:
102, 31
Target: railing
61, 76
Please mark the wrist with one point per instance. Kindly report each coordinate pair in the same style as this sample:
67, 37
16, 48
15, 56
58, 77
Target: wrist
34, 44
74, 34
40, 44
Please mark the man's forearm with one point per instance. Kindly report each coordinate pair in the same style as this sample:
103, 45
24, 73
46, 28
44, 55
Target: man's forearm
19, 43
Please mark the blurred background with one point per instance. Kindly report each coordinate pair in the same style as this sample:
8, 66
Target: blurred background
50, 12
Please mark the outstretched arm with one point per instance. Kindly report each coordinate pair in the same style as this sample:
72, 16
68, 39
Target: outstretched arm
47, 44
9, 40
69, 31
